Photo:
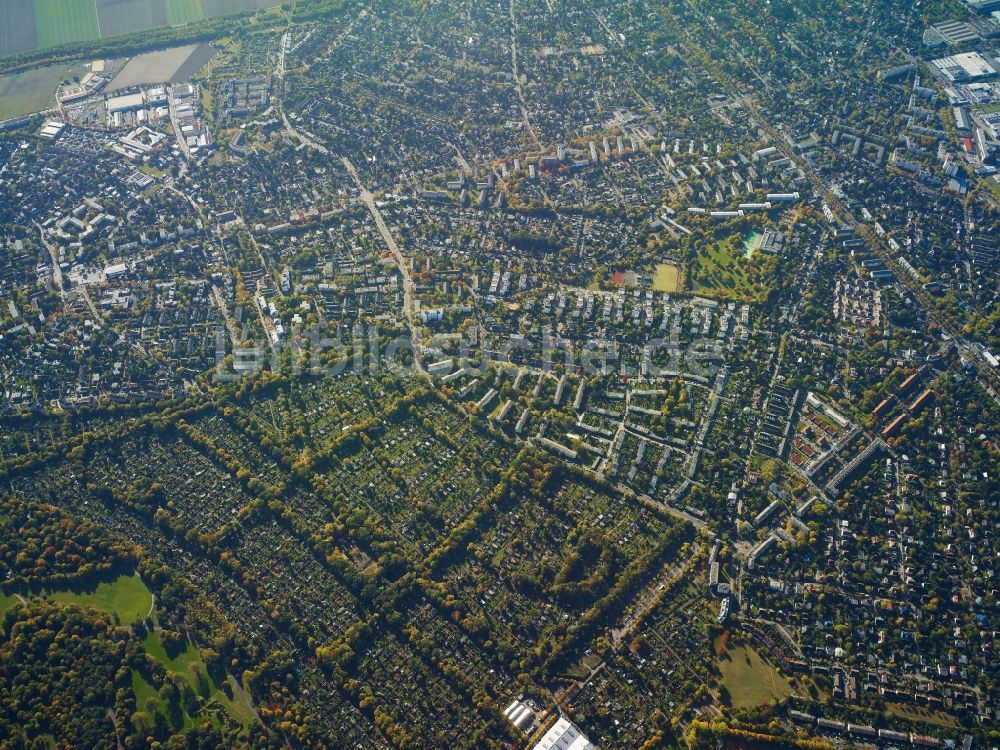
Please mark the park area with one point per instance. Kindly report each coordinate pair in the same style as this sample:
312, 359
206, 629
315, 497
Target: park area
125, 597
129, 601
187, 664
722, 269
749, 680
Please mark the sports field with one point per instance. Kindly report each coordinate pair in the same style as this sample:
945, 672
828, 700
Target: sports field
666, 278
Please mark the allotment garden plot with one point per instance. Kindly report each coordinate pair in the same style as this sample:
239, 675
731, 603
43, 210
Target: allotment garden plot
549, 558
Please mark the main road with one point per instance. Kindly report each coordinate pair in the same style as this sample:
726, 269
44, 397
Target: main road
409, 289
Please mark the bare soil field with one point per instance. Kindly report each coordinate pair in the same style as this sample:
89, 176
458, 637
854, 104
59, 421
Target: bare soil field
173, 64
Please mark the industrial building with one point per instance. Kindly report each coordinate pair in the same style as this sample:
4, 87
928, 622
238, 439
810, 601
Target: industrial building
126, 103
983, 6
51, 130
967, 66
564, 735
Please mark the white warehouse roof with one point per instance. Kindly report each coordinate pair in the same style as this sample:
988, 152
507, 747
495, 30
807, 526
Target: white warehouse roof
564, 735
125, 103
965, 66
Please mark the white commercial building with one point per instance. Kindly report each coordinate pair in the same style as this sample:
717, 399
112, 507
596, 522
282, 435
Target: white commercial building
125, 103
564, 735
52, 130
967, 66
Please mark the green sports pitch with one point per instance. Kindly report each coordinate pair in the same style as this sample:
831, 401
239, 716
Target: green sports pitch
27, 25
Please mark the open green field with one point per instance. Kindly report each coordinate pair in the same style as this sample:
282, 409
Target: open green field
31, 91
7, 601
926, 715
126, 596
750, 680
666, 278
62, 21
184, 11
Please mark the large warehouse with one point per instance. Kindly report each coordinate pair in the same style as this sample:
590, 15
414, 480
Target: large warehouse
967, 66
564, 735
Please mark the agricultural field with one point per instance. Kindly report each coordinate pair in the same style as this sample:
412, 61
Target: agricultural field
17, 27
184, 11
27, 25
224, 7
31, 91
63, 21
126, 16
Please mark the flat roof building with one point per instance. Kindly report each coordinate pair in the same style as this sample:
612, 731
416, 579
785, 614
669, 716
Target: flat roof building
983, 6
51, 130
966, 66
125, 103
564, 735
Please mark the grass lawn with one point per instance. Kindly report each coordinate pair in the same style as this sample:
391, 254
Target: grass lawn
146, 697
667, 278
184, 11
62, 21
750, 680
918, 713
7, 601
152, 171
126, 596
206, 100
